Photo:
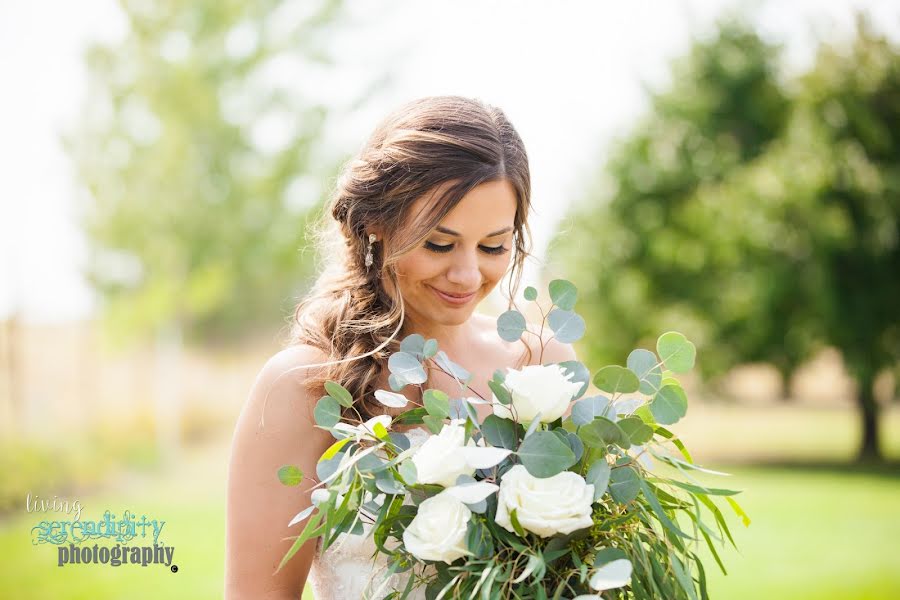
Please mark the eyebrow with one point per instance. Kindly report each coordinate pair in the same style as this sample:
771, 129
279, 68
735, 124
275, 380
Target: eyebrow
457, 234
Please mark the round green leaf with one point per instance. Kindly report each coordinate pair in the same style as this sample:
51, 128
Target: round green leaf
530, 294
433, 423
601, 431
676, 351
437, 403
414, 344
607, 555
500, 432
430, 348
408, 472
563, 294
406, 368
511, 325
327, 412
637, 431
646, 366
290, 475
339, 393
544, 454
616, 379
624, 484
669, 405
598, 475
567, 326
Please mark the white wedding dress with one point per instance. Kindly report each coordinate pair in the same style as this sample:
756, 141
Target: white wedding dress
350, 569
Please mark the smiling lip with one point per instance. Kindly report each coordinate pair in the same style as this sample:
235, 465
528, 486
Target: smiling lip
455, 300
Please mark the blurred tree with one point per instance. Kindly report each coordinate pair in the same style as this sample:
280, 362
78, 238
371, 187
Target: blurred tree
197, 148
759, 221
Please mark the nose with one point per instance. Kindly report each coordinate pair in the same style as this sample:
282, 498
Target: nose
465, 273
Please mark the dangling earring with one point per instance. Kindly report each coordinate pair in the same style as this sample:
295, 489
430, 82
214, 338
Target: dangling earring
369, 251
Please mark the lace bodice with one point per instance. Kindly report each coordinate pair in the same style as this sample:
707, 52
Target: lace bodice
353, 569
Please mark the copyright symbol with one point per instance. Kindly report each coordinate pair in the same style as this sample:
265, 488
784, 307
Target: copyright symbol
174, 568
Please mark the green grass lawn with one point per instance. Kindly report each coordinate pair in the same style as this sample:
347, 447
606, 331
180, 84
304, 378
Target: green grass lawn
816, 533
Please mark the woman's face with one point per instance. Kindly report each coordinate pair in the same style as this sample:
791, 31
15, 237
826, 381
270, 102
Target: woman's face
466, 255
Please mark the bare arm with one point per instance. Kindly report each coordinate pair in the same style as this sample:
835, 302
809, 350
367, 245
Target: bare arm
259, 507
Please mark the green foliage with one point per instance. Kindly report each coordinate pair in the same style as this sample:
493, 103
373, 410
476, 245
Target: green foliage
196, 166
758, 216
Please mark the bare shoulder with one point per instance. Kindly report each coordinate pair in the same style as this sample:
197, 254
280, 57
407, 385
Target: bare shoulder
275, 428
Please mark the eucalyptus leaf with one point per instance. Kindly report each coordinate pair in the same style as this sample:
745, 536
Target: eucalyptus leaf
637, 431
669, 405
327, 412
616, 379
437, 403
290, 475
530, 294
543, 454
339, 393
395, 384
601, 432
624, 484
598, 475
433, 423
414, 344
430, 348
575, 444
567, 326
563, 293
645, 365
607, 555
500, 432
408, 472
406, 368
676, 351
386, 483
511, 325
500, 392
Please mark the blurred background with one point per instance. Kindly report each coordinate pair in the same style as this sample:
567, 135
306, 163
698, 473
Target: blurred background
725, 169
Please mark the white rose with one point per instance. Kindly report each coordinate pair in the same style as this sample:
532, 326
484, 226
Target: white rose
439, 460
545, 505
438, 531
544, 389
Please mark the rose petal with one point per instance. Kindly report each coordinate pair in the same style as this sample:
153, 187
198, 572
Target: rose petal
470, 493
612, 575
484, 458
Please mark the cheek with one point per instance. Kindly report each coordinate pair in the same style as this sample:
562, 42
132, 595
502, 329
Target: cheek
415, 267
496, 269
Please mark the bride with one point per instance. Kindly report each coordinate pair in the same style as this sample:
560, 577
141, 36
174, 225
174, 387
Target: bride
424, 222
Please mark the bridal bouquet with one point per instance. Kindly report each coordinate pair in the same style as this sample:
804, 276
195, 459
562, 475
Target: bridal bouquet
554, 495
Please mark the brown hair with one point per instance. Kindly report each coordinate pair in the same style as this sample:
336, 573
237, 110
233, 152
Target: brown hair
438, 145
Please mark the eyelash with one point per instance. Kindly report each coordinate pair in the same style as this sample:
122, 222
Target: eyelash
486, 249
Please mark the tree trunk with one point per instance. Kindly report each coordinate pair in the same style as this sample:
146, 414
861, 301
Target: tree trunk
870, 449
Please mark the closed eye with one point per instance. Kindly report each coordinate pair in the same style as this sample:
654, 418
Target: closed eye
448, 247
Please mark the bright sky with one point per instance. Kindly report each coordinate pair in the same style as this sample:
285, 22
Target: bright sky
567, 74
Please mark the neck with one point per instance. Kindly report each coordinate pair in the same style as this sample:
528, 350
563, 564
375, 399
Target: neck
449, 337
